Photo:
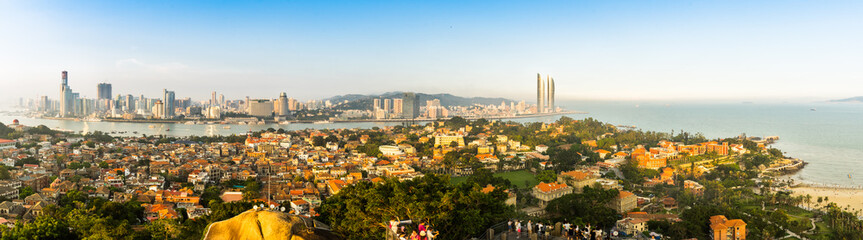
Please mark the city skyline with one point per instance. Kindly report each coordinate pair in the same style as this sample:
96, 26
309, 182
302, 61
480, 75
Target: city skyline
661, 50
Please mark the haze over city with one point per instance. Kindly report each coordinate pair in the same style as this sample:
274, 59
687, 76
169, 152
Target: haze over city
621, 50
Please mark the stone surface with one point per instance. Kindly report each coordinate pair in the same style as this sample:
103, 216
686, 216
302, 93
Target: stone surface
267, 225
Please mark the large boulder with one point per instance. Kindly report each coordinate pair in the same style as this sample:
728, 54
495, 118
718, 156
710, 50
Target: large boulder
268, 225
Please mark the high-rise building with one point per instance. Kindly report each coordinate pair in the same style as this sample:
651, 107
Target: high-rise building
130, 103
284, 108
44, 105
158, 109
547, 93
221, 100
293, 105
411, 107
387, 105
376, 104
433, 109
551, 96
103, 90
261, 107
67, 101
398, 104
168, 102
213, 99
539, 94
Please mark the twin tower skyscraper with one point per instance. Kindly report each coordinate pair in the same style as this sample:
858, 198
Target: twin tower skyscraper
544, 94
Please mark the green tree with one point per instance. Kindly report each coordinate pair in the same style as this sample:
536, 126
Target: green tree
546, 176
25, 191
589, 207
360, 211
4, 173
44, 227
318, 141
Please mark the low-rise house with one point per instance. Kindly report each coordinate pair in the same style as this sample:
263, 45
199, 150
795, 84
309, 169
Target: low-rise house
8, 193
632, 226
11, 209
693, 187
722, 228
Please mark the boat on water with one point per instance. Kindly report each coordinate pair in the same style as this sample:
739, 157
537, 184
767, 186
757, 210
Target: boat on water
227, 127
168, 130
92, 119
284, 122
135, 132
322, 122
189, 123
813, 109
152, 126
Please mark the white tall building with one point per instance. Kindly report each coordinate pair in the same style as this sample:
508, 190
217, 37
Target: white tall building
261, 107
283, 105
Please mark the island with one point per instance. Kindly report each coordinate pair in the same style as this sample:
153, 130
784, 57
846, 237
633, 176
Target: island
568, 177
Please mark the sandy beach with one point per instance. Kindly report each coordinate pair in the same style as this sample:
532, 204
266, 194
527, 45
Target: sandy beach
841, 196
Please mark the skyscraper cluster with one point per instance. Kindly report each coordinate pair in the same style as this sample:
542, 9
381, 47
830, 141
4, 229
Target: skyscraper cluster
405, 107
544, 94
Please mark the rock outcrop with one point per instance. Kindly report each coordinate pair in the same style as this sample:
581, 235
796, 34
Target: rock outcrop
268, 225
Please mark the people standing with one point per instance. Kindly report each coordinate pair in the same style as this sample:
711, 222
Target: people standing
548, 229
539, 230
518, 228
430, 234
529, 227
422, 230
509, 226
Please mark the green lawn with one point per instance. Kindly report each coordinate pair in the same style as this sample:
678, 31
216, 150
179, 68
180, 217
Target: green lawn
517, 178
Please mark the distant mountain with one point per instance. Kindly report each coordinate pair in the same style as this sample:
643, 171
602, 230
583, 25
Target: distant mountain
357, 101
851, 100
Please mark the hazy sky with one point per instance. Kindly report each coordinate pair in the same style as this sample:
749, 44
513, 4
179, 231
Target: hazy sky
593, 49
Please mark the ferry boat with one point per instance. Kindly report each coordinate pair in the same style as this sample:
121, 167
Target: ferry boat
152, 126
284, 122
227, 127
322, 122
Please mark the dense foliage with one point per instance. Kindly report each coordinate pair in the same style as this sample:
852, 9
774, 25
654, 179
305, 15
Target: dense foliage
588, 207
360, 211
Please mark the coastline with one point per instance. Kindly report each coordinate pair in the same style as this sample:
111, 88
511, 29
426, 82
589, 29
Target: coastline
843, 197
315, 121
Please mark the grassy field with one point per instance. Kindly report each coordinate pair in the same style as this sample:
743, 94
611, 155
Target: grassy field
517, 178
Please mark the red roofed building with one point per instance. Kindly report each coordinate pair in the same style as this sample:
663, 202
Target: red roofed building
232, 196
723, 229
577, 179
7, 144
546, 192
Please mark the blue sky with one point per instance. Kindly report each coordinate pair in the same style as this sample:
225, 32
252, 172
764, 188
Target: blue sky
594, 49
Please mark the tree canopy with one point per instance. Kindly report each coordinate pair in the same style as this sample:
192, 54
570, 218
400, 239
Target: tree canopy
360, 211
